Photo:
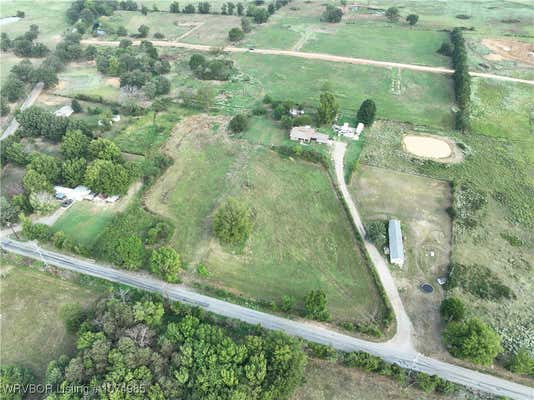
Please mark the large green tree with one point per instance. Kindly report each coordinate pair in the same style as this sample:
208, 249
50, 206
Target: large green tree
367, 112
46, 165
233, 222
328, 108
104, 176
73, 171
104, 149
75, 144
165, 263
473, 340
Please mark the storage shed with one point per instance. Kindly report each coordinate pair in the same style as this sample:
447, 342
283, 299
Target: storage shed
396, 247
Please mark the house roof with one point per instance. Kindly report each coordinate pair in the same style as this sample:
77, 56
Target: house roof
396, 248
307, 133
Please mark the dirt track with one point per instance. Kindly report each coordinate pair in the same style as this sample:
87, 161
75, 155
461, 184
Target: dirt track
315, 56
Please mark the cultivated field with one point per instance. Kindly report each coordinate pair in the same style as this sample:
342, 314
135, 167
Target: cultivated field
420, 204
311, 247
32, 331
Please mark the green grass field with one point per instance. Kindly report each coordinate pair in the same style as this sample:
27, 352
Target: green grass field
84, 221
380, 41
142, 137
423, 98
505, 110
32, 331
301, 241
85, 79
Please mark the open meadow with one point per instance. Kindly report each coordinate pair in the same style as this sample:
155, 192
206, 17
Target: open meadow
32, 332
301, 238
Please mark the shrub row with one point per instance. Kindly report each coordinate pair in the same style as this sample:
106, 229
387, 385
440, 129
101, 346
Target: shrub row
305, 153
462, 79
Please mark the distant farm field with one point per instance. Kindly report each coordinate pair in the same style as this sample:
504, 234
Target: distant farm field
32, 331
379, 41
301, 240
399, 94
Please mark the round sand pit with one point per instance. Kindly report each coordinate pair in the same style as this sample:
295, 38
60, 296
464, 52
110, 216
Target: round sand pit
427, 147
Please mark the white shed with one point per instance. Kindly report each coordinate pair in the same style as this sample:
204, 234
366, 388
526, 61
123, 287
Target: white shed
396, 247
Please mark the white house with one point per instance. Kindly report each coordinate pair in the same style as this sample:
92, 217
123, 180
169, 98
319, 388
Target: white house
359, 128
396, 247
308, 134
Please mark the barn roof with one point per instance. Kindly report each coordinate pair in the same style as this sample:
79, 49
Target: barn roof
396, 248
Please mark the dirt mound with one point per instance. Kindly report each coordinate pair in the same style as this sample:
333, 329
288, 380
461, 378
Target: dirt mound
509, 50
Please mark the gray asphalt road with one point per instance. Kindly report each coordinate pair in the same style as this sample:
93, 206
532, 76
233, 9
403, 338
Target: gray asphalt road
34, 94
309, 331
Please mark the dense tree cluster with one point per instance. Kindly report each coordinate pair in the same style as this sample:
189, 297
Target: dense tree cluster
14, 375
215, 69
473, 340
173, 352
332, 14
88, 11
24, 45
462, 79
165, 263
137, 67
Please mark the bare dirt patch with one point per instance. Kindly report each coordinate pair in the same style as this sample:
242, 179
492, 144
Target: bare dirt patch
509, 50
432, 147
114, 82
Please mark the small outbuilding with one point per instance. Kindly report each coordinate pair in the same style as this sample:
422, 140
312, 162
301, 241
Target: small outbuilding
65, 111
396, 247
307, 134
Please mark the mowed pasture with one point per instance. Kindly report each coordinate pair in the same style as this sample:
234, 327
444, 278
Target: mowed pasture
83, 78
420, 203
382, 41
402, 95
32, 332
301, 240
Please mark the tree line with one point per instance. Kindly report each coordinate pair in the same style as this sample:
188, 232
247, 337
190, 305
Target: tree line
462, 79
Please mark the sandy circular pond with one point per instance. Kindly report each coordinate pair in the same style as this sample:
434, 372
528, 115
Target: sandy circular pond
426, 146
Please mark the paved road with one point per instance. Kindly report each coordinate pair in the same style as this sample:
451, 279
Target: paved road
316, 56
34, 94
309, 331
403, 336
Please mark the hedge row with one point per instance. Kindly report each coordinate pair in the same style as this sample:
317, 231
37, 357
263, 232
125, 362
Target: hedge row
462, 79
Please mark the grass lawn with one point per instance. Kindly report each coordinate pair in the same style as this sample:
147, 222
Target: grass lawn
141, 137
32, 332
399, 95
301, 241
84, 222
83, 78
380, 41
498, 169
